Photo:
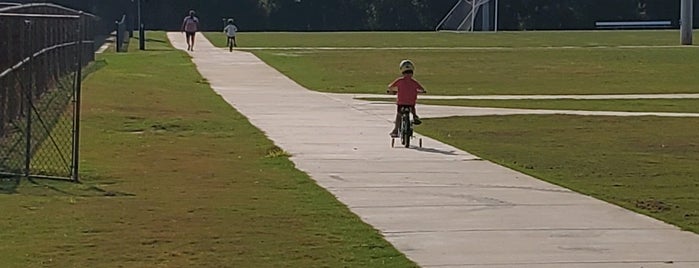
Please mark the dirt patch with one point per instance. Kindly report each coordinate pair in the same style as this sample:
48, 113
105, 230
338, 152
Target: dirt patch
653, 205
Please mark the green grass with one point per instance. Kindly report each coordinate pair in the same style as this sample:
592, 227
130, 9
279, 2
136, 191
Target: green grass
646, 164
527, 68
445, 72
444, 39
173, 176
635, 105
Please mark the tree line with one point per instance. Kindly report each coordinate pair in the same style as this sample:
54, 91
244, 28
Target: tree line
384, 15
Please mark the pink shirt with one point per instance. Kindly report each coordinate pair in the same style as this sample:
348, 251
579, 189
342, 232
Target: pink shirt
408, 89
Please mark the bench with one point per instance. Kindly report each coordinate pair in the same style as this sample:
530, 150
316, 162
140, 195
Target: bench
633, 24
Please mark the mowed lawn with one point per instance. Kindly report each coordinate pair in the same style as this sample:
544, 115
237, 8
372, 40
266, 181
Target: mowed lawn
175, 177
646, 164
519, 70
450, 40
635, 105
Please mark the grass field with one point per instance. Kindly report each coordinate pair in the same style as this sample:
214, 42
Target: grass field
474, 72
174, 177
646, 164
636, 105
444, 39
594, 71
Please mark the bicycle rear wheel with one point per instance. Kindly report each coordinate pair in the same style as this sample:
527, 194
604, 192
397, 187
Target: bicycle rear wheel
406, 131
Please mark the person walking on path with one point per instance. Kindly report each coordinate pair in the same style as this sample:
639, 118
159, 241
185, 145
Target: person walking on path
230, 31
190, 26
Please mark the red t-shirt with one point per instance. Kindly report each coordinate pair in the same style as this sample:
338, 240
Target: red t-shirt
408, 89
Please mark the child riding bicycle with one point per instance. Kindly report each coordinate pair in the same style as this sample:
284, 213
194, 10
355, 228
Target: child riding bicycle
230, 31
407, 89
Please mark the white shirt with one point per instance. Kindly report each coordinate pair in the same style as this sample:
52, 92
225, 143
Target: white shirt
191, 24
230, 30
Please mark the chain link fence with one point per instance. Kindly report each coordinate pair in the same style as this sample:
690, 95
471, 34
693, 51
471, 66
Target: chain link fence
43, 49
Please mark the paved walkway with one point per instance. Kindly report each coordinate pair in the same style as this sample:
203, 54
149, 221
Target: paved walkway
543, 97
385, 110
441, 206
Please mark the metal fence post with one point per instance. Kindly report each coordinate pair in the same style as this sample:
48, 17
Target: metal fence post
77, 100
29, 101
686, 21
142, 37
118, 37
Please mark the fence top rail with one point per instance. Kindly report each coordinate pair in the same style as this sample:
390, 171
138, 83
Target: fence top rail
22, 15
40, 52
14, 9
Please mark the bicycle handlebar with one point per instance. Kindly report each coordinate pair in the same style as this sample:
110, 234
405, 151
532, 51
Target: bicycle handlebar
396, 92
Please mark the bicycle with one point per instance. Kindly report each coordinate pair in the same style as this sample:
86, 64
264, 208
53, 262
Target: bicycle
231, 43
406, 130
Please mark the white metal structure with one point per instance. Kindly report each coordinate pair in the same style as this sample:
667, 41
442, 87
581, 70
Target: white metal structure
465, 14
686, 21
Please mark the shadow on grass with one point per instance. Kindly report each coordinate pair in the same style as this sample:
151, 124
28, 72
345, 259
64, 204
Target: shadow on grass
47, 187
155, 40
8, 184
148, 40
74, 189
151, 40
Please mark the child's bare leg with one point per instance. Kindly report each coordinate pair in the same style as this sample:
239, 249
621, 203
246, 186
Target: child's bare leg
396, 124
416, 119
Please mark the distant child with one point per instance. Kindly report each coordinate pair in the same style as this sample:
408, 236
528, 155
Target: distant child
190, 26
230, 31
407, 89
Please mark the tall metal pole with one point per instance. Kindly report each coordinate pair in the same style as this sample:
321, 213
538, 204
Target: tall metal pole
497, 7
486, 16
77, 99
473, 15
141, 30
29, 99
687, 21
139, 12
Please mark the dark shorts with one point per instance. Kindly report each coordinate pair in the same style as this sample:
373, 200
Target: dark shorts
400, 106
190, 34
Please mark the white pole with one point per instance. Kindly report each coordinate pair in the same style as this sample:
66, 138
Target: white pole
448, 14
473, 15
497, 7
139, 13
687, 21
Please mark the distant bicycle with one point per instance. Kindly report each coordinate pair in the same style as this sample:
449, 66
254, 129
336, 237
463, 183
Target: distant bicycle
231, 31
231, 43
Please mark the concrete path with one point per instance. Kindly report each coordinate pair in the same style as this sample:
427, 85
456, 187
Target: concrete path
385, 110
441, 206
542, 97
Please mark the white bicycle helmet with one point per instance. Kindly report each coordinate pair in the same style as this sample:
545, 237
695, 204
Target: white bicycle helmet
406, 65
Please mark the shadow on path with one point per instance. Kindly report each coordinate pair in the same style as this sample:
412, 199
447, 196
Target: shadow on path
436, 151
